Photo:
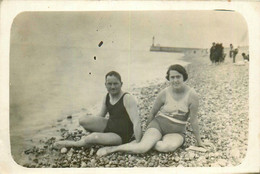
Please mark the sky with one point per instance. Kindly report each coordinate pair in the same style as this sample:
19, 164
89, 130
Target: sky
130, 30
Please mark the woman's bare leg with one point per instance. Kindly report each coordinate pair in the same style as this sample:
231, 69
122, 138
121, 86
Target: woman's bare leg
169, 143
151, 136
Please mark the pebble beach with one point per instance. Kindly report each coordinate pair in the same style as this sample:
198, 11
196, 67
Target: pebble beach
223, 120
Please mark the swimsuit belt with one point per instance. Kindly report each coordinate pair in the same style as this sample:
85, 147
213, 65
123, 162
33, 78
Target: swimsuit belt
173, 119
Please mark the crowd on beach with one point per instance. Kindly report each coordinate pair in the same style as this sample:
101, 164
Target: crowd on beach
217, 54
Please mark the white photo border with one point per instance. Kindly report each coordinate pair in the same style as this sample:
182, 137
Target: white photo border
249, 10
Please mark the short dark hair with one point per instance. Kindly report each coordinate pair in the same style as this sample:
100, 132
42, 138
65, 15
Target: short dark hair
114, 73
180, 69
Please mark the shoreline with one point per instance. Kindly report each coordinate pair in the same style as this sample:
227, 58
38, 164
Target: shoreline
223, 111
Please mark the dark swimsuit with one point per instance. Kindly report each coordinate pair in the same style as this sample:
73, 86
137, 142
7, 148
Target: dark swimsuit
119, 121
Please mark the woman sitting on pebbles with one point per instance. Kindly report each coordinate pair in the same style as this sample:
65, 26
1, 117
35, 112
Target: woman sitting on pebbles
173, 107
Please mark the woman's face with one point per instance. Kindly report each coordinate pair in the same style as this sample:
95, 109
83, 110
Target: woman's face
176, 79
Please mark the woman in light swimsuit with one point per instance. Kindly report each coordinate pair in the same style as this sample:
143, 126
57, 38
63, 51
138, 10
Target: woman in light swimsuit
173, 108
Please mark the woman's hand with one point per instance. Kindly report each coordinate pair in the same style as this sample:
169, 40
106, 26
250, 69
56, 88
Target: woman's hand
149, 119
204, 144
200, 144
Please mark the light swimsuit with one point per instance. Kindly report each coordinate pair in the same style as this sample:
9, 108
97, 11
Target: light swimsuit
173, 115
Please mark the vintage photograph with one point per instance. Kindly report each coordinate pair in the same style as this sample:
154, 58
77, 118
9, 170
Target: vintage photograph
123, 89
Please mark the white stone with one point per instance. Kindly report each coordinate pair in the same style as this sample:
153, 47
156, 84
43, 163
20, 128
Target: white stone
64, 150
222, 162
91, 152
215, 165
235, 152
83, 164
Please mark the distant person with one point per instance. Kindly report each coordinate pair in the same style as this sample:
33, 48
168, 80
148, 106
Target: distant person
217, 55
234, 54
211, 52
245, 57
123, 122
222, 54
231, 50
174, 107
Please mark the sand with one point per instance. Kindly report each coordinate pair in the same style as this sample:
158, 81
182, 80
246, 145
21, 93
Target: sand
223, 120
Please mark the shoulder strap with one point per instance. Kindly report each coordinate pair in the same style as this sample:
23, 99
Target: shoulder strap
188, 93
168, 95
123, 95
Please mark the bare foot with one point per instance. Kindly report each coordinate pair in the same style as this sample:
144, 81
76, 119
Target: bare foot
103, 151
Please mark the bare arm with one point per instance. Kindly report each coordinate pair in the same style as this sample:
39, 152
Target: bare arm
132, 110
194, 105
103, 110
159, 102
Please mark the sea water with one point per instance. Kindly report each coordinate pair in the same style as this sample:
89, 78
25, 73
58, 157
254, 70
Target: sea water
47, 83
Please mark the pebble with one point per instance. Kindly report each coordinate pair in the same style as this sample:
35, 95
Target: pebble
202, 159
215, 165
177, 159
235, 152
150, 164
121, 162
83, 164
70, 153
132, 159
93, 161
180, 165
191, 156
222, 162
64, 150
91, 152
